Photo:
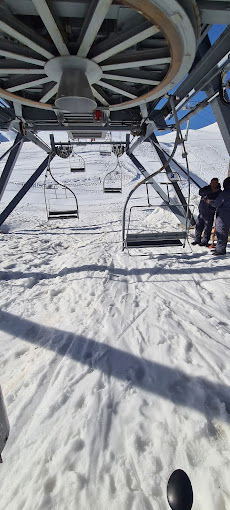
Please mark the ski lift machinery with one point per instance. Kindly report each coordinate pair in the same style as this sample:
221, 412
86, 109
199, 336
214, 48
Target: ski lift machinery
125, 60
116, 172
176, 238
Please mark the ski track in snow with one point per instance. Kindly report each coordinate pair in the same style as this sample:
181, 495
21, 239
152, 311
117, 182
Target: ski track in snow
114, 368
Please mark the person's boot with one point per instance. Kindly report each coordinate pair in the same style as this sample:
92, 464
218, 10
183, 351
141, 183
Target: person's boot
204, 242
196, 241
218, 253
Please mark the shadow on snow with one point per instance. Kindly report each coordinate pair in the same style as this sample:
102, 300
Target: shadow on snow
206, 397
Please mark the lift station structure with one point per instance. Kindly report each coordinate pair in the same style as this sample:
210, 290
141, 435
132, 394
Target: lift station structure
90, 67
94, 66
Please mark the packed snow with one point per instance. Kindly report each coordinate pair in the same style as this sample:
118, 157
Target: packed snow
114, 366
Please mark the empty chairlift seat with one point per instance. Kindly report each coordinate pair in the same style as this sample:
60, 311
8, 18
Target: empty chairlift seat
105, 150
61, 202
112, 182
77, 163
62, 214
156, 239
154, 226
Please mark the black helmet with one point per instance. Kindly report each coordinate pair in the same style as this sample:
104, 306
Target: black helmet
226, 183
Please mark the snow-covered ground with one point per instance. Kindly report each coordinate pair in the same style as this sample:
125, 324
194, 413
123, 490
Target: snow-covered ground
114, 368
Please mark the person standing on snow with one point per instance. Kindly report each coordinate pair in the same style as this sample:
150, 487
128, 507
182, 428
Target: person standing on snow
206, 212
222, 206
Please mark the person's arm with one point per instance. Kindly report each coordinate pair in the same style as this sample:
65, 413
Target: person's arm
217, 202
204, 191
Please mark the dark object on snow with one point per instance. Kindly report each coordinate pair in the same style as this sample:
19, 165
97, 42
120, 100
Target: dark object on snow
179, 491
222, 206
226, 183
4, 425
206, 213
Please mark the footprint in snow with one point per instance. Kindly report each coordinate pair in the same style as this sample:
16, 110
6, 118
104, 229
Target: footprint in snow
80, 403
50, 484
78, 445
20, 353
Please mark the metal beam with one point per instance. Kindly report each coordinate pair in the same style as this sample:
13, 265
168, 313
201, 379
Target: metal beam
149, 130
51, 25
16, 29
67, 9
100, 142
99, 97
16, 70
116, 89
137, 63
15, 201
28, 84
118, 77
23, 51
222, 114
38, 141
8, 150
144, 111
207, 62
49, 94
92, 25
10, 163
10, 96
18, 110
17, 56
175, 185
215, 12
78, 127
126, 41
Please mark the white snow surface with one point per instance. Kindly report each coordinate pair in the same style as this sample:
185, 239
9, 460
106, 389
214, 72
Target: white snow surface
114, 368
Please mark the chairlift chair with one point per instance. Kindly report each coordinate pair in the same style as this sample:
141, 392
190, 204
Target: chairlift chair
143, 238
147, 237
77, 163
61, 202
151, 238
105, 150
108, 183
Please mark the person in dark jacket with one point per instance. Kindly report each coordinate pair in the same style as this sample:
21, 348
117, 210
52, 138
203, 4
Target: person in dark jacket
222, 206
206, 212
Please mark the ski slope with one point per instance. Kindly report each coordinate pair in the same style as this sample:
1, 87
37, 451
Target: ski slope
114, 368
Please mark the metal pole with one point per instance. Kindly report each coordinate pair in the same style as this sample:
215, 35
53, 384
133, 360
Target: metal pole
10, 163
127, 142
186, 133
9, 150
15, 201
222, 114
38, 141
57, 144
175, 185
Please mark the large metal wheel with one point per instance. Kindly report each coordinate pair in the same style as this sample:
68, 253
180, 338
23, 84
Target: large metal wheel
131, 51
